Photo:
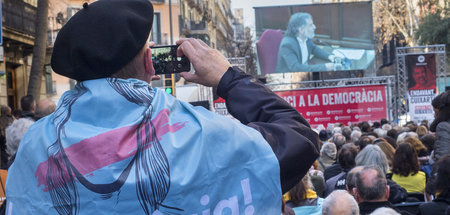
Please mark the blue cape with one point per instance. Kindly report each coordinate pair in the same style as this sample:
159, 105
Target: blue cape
121, 147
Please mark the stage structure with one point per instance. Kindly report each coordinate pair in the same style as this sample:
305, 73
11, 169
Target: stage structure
421, 75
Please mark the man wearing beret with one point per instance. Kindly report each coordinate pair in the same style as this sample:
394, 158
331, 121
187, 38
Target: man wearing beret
115, 145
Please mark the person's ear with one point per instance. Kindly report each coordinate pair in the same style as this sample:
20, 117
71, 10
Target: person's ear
356, 195
386, 194
148, 64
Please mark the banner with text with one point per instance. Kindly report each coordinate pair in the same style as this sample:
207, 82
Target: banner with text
348, 105
421, 86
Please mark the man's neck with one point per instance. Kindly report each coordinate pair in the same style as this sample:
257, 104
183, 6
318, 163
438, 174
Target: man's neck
302, 38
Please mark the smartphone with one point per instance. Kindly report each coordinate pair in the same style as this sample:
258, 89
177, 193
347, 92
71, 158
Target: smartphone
165, 60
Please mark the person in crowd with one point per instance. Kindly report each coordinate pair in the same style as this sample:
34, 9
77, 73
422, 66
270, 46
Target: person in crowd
380, 132
350, 182
365, 127
346, 160
44, 108
363, 142
327, 155
303, 200
297, 47
392, 133
428, 141
418, 146
376, 125
402, 136
17, 113
412, 126
142, 149
441, 125
421, 131
422, 153
384, 211
371, 190
14, 134
383, 121
391, 141
425, 124
372, 155
406, 170
347, 132
28, 105
441, 204
338, 140
323, 135
386, 127
317, 179
388, 150
340, 202
355, 136
6, 119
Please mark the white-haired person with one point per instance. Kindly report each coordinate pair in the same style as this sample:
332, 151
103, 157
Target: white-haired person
14, 134
340, 202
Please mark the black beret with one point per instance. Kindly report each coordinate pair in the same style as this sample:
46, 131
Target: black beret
102, 38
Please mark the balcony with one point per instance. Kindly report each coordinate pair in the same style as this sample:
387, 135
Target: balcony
158, 1
19, 16
193, 27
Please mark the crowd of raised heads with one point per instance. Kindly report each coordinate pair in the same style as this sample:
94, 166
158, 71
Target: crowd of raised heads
15, 123
379, 168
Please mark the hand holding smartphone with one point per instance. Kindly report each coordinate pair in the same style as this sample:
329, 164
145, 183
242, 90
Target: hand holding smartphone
165, 60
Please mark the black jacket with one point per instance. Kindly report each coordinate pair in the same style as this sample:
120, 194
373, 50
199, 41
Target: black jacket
288, 133
439, 206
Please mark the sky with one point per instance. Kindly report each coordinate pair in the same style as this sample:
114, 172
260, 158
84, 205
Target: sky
249, 12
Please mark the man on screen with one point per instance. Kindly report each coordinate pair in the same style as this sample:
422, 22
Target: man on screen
297, 46
422, 78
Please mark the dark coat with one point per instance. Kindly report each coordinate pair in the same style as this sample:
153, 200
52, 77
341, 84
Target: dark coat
288, 133
290, 56
439, 206
442, 144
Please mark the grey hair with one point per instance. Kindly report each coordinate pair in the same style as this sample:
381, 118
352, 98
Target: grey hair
14, 134
296, 21
373, 155
404, 135
355, 135
337, 130
341, 196
371, 188
380, 132
384, 211
386, 127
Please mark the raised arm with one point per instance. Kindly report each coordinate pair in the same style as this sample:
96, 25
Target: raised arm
287, 132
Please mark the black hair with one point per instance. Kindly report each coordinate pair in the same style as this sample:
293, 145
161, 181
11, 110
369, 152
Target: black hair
442, 103
26, 103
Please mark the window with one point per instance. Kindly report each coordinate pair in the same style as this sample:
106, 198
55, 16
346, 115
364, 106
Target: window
48, 80
156, 30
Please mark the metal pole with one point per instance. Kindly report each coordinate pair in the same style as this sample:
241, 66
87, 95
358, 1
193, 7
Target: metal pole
170, 17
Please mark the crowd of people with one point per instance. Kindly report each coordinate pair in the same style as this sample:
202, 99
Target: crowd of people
14, 124
379, 165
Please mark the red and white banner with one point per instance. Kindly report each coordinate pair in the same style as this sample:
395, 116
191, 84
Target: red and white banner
421, 86
348, 105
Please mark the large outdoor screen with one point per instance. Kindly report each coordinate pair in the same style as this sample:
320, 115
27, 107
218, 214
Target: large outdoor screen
329, 38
